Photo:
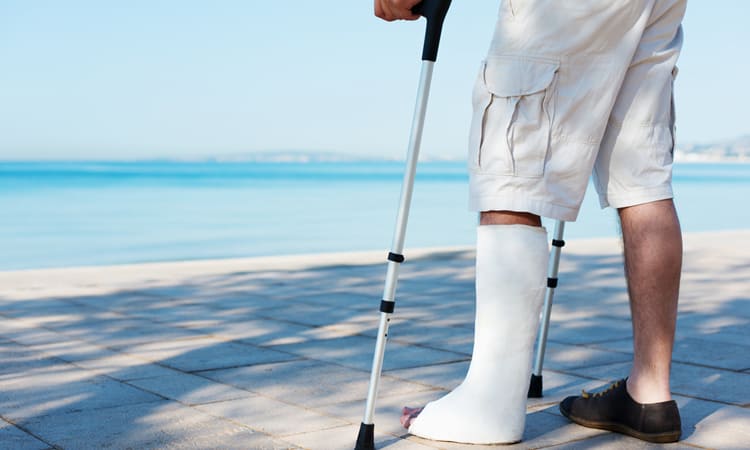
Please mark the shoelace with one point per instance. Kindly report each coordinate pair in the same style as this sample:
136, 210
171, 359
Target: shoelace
612, 386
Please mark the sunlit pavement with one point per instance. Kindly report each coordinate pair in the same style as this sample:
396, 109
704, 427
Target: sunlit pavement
276, 352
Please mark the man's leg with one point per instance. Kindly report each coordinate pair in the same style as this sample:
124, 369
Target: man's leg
642, 407
489, 406
653, 262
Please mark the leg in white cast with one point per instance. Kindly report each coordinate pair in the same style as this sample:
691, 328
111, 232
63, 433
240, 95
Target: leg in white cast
489, 406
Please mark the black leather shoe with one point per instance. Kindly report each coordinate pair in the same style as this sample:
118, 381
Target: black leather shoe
614, 409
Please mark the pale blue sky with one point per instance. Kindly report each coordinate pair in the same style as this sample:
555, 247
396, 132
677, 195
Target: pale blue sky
167, 78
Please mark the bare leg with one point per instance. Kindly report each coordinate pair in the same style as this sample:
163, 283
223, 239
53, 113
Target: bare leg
509, 218
653, 263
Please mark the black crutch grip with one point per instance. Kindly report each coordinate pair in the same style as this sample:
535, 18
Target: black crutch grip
434, 11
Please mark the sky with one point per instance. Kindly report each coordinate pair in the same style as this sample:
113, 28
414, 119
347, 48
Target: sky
148, 79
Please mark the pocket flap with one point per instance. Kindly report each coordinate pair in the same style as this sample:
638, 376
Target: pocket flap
508, 76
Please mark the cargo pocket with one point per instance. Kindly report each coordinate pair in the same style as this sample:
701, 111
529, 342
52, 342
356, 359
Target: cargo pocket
513, 111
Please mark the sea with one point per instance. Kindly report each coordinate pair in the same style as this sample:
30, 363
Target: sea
84, 213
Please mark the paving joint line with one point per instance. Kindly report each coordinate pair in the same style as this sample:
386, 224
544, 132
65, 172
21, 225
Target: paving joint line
30, 433
157, 363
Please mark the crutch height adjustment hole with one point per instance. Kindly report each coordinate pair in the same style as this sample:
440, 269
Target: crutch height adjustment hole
558, 243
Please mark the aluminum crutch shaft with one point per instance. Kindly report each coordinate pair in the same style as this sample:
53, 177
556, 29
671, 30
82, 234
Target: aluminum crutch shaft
434, 11
535, 387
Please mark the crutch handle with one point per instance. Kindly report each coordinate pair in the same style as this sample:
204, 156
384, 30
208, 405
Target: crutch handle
434, 11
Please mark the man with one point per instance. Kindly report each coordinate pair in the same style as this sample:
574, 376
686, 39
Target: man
568, 87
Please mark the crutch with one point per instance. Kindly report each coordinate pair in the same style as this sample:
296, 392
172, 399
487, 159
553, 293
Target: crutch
535, 387
434, 11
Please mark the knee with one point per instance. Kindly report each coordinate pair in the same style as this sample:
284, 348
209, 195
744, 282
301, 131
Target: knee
659, 216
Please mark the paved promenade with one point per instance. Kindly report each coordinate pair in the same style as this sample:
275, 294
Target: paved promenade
276, 352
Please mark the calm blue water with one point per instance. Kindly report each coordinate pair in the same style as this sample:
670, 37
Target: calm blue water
91, 213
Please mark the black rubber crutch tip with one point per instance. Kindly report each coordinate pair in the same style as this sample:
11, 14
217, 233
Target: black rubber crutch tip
535, 388
366, 437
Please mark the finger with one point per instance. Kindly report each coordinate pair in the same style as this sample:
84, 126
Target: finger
408, 15
386, 10
379, 11
390, 10
403, 14
405, 7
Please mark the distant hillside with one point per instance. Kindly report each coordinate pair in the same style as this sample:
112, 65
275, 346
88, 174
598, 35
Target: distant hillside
734, 150
731, 150
291, 156
301, 156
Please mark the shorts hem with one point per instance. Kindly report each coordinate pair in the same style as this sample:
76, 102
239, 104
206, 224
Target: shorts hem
634, 198
538, 207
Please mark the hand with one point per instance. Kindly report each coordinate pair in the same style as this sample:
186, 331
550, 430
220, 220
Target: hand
391, 10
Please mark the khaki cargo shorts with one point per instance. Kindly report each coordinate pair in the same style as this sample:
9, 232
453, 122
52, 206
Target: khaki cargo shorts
571, 87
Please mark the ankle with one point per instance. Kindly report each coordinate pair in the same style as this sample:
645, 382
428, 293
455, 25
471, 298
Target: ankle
647, 390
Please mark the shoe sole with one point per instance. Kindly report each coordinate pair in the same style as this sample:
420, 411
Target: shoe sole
658, 438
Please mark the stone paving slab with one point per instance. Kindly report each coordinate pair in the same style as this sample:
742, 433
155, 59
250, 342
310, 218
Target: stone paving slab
696, 422
123, 333
26, 333
11, 437
721, 327
59, 347
612, 441
344, 437
63, 388
123, 367
189, 389
578, 303
564, 357
271, 416
275, 352
357, 351
17, 359
438, 376
727, 427
308, 383
589, 330
315, 315
449, 338
205, 353
697, 350
262, 332
157, 425
346, 300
